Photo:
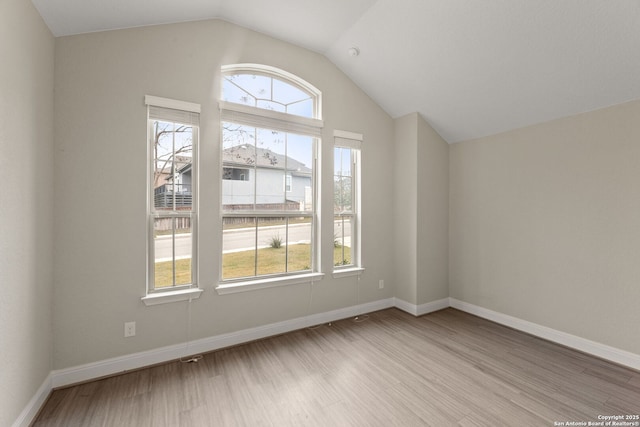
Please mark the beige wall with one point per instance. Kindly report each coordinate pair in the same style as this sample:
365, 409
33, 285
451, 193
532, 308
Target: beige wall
26, 149
421, 206
544, 224
101, 80
432, 250
405, 204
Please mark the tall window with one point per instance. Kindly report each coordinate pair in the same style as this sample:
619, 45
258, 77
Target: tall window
270, 137
346, 200
173, 141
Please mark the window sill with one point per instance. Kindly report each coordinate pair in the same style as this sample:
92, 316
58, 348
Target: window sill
253, 285
346, 272
172, 296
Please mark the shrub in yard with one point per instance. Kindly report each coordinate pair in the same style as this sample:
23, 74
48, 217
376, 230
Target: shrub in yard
276, 242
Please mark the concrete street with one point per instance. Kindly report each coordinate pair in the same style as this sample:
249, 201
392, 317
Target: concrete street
240, 239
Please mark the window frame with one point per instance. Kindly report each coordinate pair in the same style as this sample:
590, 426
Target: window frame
185, 113
353, 142
261, 118
269, 71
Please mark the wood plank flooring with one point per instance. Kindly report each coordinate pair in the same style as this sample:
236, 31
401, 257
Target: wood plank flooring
445, 368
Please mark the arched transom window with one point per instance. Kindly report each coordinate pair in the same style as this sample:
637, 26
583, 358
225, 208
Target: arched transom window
257, 89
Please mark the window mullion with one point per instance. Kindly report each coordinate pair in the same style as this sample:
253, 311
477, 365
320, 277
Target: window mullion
342, 239
151, 276
286, 242
173, 250
271, 84
173, 166
255, 247
255, 168
286, 157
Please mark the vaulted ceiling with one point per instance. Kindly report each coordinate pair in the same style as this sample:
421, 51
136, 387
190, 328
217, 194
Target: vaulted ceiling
471, 68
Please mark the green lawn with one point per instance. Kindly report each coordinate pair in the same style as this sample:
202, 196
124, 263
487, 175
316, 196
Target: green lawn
270, 261
164, 273
243, 264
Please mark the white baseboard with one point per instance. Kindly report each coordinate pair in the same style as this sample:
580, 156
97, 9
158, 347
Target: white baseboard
419, 310
129, 362
78, 374
31, 410
121, 364
603, 351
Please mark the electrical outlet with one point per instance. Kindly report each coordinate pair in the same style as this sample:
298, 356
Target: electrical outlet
380, 284
129, 329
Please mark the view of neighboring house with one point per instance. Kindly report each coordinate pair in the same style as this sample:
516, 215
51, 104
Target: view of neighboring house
177, 185
283, 182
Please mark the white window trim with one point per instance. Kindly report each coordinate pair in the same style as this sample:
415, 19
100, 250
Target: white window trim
157, 298
189, 291
172, 104
263, 118
343, 138
347, 271
260, 117
266, 283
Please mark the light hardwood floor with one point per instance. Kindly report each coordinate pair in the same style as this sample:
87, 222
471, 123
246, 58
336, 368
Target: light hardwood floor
445, 368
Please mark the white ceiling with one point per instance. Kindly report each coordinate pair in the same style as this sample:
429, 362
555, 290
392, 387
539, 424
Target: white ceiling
471, 68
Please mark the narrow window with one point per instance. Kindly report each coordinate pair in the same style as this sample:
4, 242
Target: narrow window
346, 200
288, 183
173, 142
